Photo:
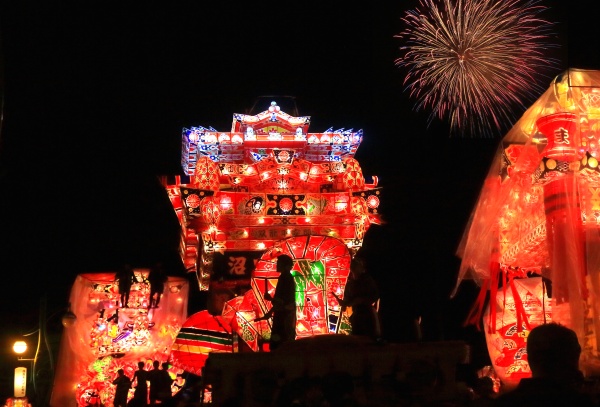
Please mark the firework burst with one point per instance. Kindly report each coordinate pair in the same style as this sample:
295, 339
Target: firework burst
474, 62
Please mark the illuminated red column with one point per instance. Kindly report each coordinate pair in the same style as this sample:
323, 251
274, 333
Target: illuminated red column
563, 218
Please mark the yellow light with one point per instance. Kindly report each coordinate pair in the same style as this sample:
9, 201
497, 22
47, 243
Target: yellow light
307, 220
261, 220
340, 206
260, 246
20, 347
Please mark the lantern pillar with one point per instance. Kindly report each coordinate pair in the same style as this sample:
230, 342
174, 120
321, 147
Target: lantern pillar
563, 219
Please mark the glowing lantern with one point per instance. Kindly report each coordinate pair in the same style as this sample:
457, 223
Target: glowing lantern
225, 203
210, 212
20, 387
352, 178
561, 131
207, 175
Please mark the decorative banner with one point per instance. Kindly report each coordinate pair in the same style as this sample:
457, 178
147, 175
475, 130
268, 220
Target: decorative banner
234, 265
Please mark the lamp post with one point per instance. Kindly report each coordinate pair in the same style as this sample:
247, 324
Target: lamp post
20, 347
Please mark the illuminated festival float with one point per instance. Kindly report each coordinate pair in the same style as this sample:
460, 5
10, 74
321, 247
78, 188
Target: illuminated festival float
265, 188
533, 241
269, 187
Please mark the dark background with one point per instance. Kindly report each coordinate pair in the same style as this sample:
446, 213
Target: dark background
96, 95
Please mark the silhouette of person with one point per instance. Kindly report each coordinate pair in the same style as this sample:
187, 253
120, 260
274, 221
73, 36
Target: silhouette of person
164, 383
157, 279
123, 384
140, 377
361, 293
553, 353
125, 277
283, 308
154, 379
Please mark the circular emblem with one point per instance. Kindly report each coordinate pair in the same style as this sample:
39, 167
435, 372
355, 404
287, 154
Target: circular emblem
373, 202
284, 156
286, 204
193, 201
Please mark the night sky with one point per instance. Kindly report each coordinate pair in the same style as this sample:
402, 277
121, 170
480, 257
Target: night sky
95, 98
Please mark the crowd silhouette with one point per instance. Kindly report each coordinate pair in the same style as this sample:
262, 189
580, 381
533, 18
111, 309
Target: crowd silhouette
151, 387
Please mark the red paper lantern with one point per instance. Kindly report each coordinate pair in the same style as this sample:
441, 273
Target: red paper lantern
561, 131
207, 174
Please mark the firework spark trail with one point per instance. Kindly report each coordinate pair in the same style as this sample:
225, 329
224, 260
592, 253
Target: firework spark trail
474, 61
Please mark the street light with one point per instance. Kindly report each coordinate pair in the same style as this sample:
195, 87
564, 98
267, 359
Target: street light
20, 347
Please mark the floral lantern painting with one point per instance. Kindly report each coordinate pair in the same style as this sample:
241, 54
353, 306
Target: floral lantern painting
533, 240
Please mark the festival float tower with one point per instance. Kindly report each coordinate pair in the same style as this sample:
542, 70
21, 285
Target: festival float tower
265, 188
269, 187
532, 242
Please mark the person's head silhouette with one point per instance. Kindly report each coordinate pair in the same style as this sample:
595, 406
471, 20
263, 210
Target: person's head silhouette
357, 267
284, 263
553, 352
